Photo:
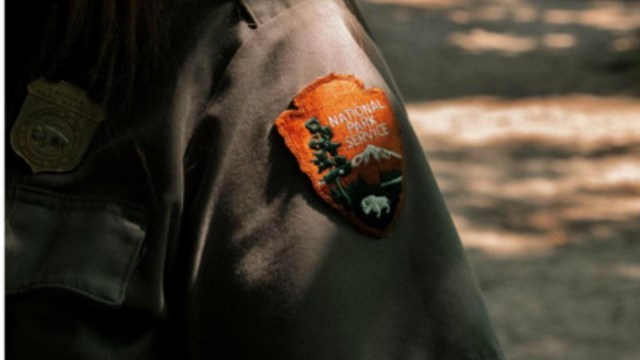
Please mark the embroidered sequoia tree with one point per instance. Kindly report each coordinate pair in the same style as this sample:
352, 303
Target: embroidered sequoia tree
327, 158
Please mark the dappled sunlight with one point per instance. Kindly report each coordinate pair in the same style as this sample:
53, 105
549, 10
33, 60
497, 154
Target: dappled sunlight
545, 193
479, 40
629, 271
509, 48
529, 114
505, 244
548, 346
625, 43
583, 119
425, 4
494, 12
620, 18
559, 41
525, 14
611, 16
560, 17
528, 175
459, 16
491, 13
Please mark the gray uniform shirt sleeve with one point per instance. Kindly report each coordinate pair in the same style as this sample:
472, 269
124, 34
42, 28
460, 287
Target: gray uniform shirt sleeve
189, 232
274, 272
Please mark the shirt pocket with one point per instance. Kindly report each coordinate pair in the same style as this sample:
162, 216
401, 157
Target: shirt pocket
90, 247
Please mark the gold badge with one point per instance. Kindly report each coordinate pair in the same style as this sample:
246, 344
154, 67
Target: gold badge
55, 126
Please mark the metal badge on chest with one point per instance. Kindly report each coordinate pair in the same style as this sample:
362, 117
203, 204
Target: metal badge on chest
55, 126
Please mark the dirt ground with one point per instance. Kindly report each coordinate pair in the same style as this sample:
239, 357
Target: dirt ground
529, 113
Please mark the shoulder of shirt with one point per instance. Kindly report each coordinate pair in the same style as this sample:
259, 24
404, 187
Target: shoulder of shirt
261, 11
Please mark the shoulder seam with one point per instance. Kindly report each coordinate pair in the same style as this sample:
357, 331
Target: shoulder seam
262, 11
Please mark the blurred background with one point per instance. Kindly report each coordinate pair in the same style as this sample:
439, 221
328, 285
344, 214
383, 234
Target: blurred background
529, 113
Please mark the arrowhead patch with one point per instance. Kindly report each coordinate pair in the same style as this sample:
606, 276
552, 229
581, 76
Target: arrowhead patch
347, 142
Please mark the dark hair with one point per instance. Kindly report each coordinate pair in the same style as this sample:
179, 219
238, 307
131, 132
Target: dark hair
103, 46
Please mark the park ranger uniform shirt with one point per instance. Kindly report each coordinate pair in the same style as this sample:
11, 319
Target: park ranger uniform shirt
189, 230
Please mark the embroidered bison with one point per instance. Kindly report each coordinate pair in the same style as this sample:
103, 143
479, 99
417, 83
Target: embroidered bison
375, 204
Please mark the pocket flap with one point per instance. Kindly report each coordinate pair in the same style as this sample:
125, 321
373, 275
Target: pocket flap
87, 246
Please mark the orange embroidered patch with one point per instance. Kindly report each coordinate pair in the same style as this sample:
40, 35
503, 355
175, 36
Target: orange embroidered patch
346, 140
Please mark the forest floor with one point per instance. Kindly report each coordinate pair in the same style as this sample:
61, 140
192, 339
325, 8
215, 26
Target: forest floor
529, 113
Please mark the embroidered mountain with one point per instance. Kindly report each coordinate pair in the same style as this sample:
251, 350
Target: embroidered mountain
373, 152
